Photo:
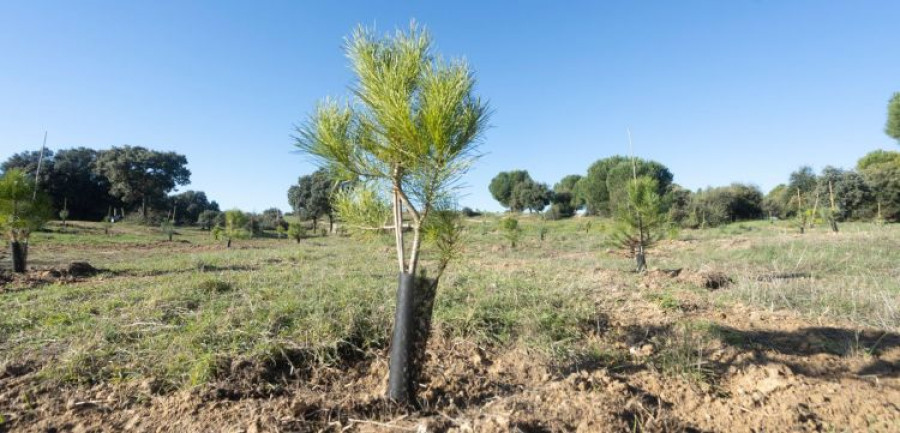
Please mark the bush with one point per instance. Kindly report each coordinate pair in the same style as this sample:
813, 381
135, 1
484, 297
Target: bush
470, 213
213, 286
209, 219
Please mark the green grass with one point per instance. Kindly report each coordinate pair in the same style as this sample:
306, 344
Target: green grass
179, 312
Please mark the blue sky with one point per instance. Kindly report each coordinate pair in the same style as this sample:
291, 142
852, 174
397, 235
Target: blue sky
719, 91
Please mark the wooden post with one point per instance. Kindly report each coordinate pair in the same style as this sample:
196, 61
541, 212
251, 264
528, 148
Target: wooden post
833, 213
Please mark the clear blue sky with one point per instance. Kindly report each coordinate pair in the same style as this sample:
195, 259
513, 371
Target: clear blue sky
719, 91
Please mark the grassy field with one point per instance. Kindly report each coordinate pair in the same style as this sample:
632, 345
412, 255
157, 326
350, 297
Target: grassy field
180, 313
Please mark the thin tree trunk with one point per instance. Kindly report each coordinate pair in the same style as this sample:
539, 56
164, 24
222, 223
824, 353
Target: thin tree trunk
417, 241
398, 227
417, 228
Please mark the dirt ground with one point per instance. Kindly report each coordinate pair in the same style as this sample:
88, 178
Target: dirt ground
756, 370
770, 372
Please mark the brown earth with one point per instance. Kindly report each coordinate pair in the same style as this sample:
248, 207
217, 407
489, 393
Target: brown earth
766, 372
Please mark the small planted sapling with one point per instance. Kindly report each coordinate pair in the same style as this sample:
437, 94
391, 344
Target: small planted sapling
236, 223
543, 230
106, 223
511, 230
64, 214
407, 137
23, 209
167, 228
296, 231
216, 232
802, 213
640, 221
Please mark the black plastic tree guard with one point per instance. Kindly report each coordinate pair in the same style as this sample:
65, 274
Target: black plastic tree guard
18, 256
400, 373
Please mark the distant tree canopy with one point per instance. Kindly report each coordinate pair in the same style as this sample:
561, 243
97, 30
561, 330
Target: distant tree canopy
517, 191
271, 219
561, 205
530, 195
310, 198
881, 171
567, 184
804, 180
892, 126
209, 219
720, 205
852, 196
776, 203
68, 177
140, 175
189, 205
503, 185
566, 198
605, 185
592, 188
79, 180
27, 161
878, 157
75, 183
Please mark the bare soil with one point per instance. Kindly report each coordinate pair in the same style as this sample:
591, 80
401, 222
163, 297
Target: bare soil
766, 371
769, 372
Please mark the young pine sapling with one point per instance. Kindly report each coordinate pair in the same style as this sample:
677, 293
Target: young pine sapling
23, 209
410, 133
235, 226
543, 230
640, 222
167, 228
511, 230
64, 213
296, 231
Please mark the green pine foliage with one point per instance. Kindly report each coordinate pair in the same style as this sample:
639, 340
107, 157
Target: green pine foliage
641, 221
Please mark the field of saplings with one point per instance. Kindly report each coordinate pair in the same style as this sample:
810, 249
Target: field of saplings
744, 327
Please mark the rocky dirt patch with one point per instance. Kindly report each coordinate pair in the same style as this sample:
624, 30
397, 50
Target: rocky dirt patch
761, 379
34, 277
707, 279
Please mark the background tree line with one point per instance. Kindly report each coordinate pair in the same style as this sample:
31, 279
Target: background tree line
871, 190
95, 184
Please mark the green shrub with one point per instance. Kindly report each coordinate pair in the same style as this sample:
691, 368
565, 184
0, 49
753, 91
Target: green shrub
213, 286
